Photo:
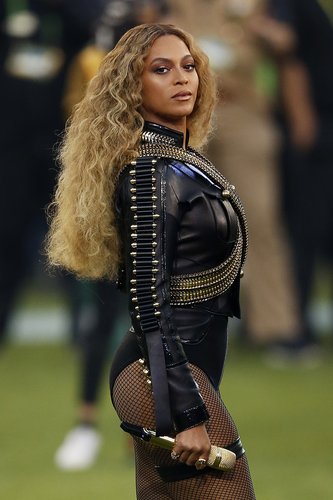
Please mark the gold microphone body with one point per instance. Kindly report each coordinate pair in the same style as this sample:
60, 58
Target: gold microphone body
219, 458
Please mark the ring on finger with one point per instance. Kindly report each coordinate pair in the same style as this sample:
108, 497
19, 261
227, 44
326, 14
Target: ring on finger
200, 463
174, 455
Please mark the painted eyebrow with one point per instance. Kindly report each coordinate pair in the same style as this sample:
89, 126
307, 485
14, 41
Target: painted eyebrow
166, 60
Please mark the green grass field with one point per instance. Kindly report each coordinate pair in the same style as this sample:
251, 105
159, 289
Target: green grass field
284, 417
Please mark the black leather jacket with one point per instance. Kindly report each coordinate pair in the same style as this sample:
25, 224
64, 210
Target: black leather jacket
173, 220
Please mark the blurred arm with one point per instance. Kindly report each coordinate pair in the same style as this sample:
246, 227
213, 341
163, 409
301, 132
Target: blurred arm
298, 103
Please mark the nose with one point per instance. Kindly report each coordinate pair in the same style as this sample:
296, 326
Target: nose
181, 77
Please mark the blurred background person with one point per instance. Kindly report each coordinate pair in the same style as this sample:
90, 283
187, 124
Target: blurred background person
81, 445
245, 146
118, 17
306, 118
101, 307
38, 40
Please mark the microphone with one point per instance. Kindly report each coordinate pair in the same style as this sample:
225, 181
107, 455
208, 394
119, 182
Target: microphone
219, 458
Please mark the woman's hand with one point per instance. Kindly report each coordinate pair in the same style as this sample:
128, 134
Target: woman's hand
192, 444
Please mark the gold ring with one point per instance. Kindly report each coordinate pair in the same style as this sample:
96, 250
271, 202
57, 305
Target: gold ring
200, 463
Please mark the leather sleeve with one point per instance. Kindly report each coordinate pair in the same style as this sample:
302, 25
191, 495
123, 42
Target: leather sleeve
150, 214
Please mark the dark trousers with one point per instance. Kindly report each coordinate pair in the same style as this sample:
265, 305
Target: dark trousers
308, 200
97, 307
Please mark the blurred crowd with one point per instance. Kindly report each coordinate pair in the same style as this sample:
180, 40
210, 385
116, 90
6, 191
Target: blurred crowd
272, 139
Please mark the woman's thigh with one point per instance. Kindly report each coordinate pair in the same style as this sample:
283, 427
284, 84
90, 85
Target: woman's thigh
133, 401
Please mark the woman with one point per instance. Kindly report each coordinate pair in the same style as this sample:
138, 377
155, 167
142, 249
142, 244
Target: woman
134, 199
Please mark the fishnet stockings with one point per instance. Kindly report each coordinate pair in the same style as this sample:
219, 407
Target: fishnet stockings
134, 403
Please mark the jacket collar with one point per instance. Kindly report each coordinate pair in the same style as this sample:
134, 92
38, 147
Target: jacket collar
153, 132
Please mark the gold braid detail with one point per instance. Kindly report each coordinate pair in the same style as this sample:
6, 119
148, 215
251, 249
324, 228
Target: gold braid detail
205, 285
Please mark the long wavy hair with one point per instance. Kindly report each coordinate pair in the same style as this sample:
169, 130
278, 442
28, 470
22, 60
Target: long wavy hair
101, 137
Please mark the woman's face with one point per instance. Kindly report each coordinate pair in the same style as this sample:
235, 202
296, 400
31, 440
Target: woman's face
170, 83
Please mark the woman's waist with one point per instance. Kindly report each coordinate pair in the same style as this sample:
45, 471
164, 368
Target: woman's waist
194, 322
204, 347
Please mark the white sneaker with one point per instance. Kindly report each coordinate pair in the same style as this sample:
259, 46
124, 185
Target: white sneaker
79, 449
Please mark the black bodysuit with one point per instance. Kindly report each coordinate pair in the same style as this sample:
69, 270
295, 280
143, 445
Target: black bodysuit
174, 220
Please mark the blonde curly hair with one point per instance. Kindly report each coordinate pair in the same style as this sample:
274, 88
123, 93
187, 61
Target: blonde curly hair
101, 137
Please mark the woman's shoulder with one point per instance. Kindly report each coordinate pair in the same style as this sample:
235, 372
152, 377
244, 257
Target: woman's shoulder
174, 170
